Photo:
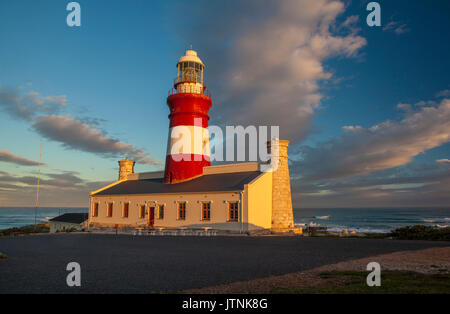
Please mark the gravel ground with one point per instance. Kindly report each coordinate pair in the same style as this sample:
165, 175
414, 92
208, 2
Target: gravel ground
428, 261
144, 264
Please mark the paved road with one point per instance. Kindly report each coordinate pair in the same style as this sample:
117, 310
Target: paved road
127, 264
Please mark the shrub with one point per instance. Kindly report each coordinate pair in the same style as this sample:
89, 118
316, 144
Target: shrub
421, 232
24, 230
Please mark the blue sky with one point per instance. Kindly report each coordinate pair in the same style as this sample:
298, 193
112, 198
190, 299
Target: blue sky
111, 77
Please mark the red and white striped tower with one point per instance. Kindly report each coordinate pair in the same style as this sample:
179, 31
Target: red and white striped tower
189, 103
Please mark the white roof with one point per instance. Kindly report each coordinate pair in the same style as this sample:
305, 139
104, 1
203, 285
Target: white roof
191, 55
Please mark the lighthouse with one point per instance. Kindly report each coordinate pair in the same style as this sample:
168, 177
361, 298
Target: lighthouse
189, 103
190, 193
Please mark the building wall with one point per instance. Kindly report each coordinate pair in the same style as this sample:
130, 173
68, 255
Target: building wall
259, 202
255, 204
64, 226
218, 219
231, 168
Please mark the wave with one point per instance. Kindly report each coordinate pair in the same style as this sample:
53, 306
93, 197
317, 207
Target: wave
46, 219
322, 217
311, 224
359, 230
436, 220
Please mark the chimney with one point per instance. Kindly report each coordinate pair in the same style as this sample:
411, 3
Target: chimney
126, 168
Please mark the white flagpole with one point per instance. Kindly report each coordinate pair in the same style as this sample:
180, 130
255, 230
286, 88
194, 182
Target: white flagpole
37, 188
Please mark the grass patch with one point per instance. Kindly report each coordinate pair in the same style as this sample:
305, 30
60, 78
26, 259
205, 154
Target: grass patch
392, 282
11, 232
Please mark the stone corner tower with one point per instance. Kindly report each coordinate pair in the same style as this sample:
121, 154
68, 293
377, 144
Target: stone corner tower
282, 213
126, 167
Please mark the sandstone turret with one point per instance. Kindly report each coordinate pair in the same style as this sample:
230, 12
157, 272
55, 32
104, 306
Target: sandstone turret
282, 214
126, 167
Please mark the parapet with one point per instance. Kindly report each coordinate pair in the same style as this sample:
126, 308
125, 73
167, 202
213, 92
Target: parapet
231, 168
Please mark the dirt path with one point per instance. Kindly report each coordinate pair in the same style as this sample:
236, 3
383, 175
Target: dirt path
428, 261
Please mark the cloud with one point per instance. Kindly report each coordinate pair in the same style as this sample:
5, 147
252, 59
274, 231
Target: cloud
385, 145
75, 134
405, 107
27, 106
56, 189
270, 65
396, 27
351, 127
84, 134
350, 22
443, 93
6, 156
401, 29
414, 184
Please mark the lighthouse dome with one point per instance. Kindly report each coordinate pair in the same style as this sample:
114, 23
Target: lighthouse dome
191, 55
189, 73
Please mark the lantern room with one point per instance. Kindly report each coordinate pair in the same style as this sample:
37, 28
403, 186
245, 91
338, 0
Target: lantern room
189, 73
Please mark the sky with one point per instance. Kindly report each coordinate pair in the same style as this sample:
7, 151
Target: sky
367, 109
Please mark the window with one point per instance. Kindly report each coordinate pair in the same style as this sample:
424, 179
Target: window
233, 211
206, 211
142, 211
161, 212
126, 209
109, 210
95, 210
182, 210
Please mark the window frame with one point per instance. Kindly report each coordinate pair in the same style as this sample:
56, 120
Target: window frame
109, 209
179, 205
161, 209
235, 216
141, 214
95, 209
203, 211
125, 205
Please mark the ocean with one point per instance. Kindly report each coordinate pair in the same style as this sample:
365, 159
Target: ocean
335, 219
371, 220
18, 217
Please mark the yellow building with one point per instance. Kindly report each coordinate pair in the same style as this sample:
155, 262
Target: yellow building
234, 197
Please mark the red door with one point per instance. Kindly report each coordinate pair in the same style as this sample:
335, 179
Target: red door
151, 217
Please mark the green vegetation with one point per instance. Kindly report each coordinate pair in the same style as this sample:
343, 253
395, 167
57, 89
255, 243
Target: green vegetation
417, 232
420, 232
3, 256
392, 282
24, 230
